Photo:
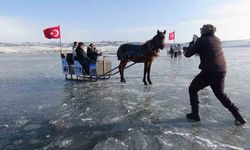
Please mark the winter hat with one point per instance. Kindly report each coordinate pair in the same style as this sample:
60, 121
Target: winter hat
208, 29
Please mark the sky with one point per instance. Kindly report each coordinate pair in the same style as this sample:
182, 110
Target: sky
122, 20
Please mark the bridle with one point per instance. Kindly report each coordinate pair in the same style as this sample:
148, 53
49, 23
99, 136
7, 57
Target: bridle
153, 45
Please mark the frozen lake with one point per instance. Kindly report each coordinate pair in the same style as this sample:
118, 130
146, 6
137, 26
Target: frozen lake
40, 110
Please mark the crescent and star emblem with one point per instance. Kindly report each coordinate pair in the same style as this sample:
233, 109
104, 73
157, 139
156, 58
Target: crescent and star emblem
171, 35
55, 33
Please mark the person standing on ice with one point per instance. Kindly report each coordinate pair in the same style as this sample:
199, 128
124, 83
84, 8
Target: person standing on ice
179, 50
171, 51
175, 51
213, 72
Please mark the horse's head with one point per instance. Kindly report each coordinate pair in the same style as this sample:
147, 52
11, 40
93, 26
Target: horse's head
159, 40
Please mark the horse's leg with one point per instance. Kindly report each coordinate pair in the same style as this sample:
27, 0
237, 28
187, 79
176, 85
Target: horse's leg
124, 65
149, 70
121, 70
145, 72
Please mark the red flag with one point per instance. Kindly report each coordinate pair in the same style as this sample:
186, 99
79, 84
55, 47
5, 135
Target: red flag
52, 33
171, 35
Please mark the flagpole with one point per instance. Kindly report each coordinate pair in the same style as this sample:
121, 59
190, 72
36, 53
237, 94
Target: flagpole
174, 37
60, 46
60, 41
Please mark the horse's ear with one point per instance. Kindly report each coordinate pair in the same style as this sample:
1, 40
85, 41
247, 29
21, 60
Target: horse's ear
164, 32
158, 31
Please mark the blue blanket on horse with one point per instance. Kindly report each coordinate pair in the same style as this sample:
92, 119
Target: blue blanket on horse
130, 51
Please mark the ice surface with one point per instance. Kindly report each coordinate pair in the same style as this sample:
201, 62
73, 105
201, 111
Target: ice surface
40, 110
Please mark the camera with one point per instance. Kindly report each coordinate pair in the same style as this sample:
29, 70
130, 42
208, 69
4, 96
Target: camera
184, 49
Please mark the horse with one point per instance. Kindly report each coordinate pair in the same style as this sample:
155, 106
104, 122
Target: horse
145, 53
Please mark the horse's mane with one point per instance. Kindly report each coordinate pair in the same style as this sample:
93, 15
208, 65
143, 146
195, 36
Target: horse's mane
150, 45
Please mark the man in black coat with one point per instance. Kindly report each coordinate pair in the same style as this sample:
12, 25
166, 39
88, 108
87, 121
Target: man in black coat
81, 57
213, 71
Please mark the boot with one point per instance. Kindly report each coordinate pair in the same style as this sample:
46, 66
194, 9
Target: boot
195, 113
239, 120
193, 116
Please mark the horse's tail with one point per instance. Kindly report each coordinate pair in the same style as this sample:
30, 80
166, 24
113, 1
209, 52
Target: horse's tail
120, 52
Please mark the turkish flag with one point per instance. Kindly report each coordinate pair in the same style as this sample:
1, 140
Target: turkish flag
171, 35
52, 33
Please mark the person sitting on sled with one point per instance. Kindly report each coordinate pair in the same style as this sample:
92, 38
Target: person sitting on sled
92, 52
81, 57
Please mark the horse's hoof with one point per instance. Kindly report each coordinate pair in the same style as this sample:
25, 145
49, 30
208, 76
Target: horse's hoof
150, 82
145, 83
123, 81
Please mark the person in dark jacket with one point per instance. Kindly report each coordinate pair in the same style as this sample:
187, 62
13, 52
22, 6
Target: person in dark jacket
213, 71
74, 48
81, 57
74, 45
92, 52
171, 51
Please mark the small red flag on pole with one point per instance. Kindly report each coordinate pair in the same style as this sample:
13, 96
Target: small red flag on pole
171, 35
52, 32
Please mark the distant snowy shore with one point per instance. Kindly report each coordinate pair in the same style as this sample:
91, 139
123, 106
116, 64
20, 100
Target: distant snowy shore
37, 47
104, 46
